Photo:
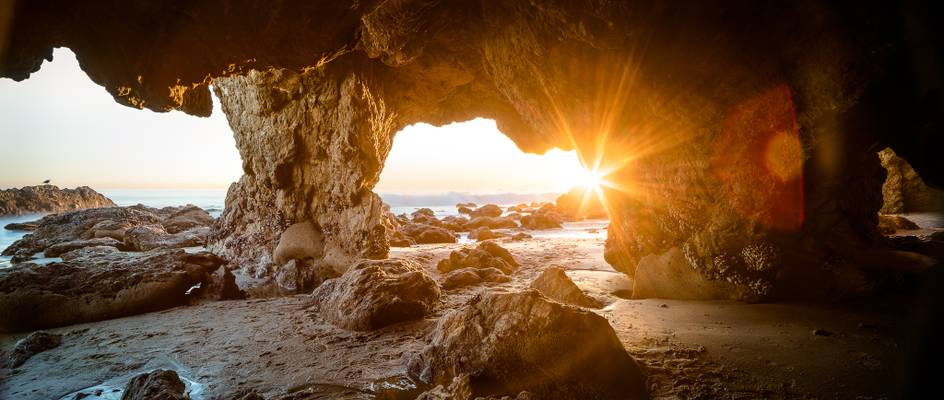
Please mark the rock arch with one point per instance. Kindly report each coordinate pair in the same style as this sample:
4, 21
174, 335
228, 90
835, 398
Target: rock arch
743, 134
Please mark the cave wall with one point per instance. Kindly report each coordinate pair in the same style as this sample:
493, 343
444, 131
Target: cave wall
743, 134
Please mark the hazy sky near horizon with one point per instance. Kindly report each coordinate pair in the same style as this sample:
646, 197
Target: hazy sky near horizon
59, 125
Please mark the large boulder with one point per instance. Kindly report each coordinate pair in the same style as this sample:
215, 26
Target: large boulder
298, 242
889, 224
376, 293
484, 233
426, 234
455, 224
488, 210
670, 276
50, 199
903, 190
487, 254
98, 287
512, 342
160, 384
556, 285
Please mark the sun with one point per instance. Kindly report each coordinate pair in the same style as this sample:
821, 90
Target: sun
589, 179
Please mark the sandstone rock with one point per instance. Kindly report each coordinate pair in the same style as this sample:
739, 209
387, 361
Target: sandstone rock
556, 285
540, 221
21, 256
158, 384
512, 342
81, 224
89, 252
36, 342
487, 254
22, 226
427, 220
470, 276
423, 211
151, 237
468, 205
465, 210
492, 223
98, 287
186, 218
890, 224
398, 239
483, 233
50, 199
455, 224
488, 210
376, 293
578, 204
903, 190
229, 290
670, 276
422, 233
521, 236
302, 276
300, 241
59, 249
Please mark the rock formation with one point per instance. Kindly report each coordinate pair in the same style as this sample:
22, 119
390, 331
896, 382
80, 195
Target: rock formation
905, 191
376, 293
556, 285
97, 287
742, 133
471, 276
579, 203
487, 254
158, 384
512, 342
36, 342
50, 199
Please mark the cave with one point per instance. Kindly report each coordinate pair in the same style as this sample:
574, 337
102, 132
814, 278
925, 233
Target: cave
739, 151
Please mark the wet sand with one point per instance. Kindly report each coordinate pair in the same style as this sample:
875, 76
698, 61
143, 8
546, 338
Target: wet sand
276, 346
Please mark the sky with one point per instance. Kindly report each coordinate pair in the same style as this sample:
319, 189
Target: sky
59, 125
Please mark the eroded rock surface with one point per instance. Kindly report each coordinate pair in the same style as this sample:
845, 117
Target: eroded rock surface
556, 285
487, 254
97, 287
376, 293
904, 191
36, 342
50, 199
471, 276
512, 342
158, 384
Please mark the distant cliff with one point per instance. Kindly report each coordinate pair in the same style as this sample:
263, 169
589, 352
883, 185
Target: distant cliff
50, 199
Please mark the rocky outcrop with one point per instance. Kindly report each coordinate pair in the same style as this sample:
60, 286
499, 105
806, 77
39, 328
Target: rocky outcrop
158, 384
723, 130
50, 199
889, 224
376, 293
512, 342
670, 276
541, 221
35, 343
904, 191
22, 226
487, 254
556, 285
483, 233
98, 287
488, 210
424, 234
135, 228
580, 203
491, 223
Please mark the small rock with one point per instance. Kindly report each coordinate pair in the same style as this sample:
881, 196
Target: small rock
821, 332
488, 210
37, 342
488, 254
473, 276
159, 384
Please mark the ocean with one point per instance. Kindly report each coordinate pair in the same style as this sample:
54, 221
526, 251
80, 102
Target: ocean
213, 200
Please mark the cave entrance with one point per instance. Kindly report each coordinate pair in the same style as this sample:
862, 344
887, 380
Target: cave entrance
908, 203
457, 169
